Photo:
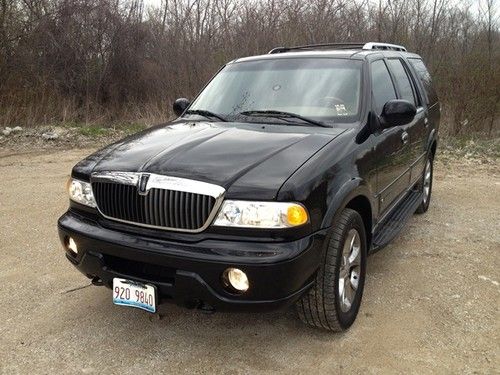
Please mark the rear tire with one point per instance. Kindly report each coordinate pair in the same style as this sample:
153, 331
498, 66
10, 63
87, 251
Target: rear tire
334, 300
425, 186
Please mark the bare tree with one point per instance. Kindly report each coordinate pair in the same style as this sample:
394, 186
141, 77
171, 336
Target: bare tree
118, 60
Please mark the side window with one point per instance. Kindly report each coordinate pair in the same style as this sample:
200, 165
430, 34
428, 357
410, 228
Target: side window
382, 87
425, 77
402, 80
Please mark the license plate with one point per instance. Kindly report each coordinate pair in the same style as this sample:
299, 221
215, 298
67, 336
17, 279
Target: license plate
133, 294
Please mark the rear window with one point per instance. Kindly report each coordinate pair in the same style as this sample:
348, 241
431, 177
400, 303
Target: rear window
424, 75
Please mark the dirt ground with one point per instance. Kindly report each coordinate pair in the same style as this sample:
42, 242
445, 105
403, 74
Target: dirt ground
431, 302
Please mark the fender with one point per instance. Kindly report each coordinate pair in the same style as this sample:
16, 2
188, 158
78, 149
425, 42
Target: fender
432, 138
349, 190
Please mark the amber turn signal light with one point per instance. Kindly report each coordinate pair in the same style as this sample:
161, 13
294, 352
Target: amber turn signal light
296, 215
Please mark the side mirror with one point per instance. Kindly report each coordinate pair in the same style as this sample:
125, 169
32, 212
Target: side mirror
180, 106
397, 112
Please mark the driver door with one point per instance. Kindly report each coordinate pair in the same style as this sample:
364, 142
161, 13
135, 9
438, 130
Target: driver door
391, 146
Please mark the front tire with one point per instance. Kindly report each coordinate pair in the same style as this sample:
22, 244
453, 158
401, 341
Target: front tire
334, 300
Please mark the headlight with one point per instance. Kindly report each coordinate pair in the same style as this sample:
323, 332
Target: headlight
81, 192
246, 214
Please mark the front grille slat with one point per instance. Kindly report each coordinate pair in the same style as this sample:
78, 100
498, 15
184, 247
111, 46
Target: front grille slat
98, 190
128, 202
145, 201
140, 208
118, 207
123, 193
152, 206
137, 208
171, 207
109, 203
159, 208
198, 210
162, 208
192, 213
187, 208
147, 208
165, 208
121, 207
113, 200
176, 209
203, 207
154, 209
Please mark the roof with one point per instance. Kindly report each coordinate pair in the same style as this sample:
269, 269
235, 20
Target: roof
355, 51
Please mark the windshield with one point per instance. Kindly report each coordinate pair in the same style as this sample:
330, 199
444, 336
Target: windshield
323, 89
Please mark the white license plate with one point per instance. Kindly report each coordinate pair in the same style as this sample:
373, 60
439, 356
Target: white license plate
133, 294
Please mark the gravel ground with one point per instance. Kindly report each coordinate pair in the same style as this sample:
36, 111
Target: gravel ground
431, 302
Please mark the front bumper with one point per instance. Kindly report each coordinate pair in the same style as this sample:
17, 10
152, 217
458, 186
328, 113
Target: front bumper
190, 274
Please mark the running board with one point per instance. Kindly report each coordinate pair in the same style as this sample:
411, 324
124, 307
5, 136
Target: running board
392, 225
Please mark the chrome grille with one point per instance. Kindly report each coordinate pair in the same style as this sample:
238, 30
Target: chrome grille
160, 202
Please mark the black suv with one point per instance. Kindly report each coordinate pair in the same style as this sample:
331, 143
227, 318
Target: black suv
269, 189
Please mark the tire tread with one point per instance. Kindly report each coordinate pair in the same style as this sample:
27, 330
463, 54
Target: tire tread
318, 307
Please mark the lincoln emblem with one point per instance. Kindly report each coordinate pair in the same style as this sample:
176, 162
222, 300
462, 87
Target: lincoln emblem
143, 183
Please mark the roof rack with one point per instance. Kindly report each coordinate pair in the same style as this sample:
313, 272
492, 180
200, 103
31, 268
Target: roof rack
367, 46
384, 46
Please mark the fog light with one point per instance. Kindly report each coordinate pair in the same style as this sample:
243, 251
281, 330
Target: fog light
71, 245
237, 279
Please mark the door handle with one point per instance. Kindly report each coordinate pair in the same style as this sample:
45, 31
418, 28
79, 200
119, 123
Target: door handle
405, 137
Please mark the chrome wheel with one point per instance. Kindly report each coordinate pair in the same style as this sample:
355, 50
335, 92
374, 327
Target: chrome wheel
427, 181
349, 270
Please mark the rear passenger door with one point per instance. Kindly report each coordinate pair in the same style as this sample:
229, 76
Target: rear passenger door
429, 98
416, 131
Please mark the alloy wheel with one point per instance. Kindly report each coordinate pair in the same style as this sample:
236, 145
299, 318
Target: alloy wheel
427, 181
350, 268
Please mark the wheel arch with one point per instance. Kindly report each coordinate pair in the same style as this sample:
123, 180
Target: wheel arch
432, 143
361, 204
433, 148
354, 195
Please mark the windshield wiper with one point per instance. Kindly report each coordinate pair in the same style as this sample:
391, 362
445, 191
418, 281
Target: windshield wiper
204, 113
282, 114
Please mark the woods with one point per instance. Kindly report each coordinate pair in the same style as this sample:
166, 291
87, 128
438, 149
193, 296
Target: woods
111, 61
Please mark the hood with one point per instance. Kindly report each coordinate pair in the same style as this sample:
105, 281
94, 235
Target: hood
248, 160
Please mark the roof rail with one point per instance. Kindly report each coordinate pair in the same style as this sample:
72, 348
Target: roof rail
370, 45
317, 46
384, 46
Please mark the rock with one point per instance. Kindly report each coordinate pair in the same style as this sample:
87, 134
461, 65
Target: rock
17, 129
49, 136
6, 131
